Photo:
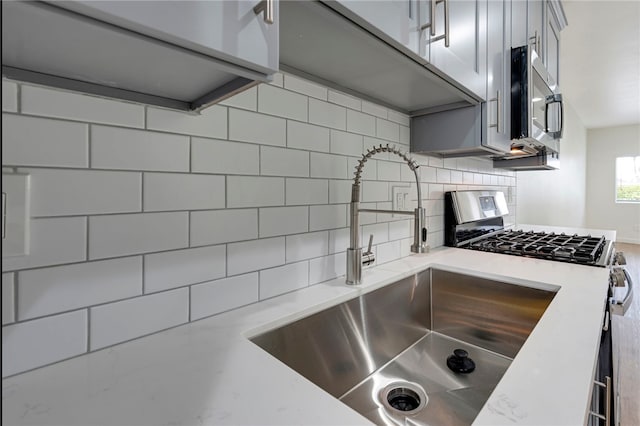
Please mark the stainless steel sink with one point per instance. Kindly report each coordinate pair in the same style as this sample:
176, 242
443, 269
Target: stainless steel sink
385, 353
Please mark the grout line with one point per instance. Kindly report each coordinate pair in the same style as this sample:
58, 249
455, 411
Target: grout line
143, 274
88, 349
15, 296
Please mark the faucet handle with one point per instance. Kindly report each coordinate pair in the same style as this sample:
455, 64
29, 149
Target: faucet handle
367, 257
370, 243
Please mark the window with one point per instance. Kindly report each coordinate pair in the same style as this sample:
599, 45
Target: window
628, 179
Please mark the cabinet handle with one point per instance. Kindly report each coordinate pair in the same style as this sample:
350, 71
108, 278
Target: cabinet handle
498, 101
535, 41
266, 8
432, 25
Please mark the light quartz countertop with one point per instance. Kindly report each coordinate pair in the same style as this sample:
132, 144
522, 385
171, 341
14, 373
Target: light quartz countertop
208, 372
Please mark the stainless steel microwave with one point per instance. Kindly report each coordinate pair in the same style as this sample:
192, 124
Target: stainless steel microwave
537, 115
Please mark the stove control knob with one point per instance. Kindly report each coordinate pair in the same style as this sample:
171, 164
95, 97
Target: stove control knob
460, 362
617, 277
620, 259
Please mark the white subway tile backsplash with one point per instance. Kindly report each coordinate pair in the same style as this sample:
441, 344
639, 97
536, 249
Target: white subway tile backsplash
167, 270
340, 191
346, 143
223, 226
306, 246
328, 166
380, 232
31, 344
305, 87
358, 122
388, 252
375, 191
118, 148
56, 192
339, 240
64, 288
245, 126
223, 157
344, 100
387, 130
405, 136
121, 235
247, 99
373, 109
53, 241
328, 115
283, 103
327, 217
175, 191
244, 191
400, 229
79, 107
9, 96
222, 295
255, 255
210, 123
276, 221
274, 161
456, 177
390, 171
8, 297
442, 176
397, 117
428, 174
283, 279
32, 141
307, 191
307, 136
327, 268
283, 162
121, 321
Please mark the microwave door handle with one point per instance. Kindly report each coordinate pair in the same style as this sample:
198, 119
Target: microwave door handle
552, 99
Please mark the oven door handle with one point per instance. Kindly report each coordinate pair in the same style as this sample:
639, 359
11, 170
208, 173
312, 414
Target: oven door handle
620, 307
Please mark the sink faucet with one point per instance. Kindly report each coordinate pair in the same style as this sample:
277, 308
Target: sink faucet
355, 257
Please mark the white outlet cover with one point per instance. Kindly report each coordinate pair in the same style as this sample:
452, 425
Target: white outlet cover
15, 189
400, 200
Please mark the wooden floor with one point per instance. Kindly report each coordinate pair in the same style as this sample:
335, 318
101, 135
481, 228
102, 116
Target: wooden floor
626, 335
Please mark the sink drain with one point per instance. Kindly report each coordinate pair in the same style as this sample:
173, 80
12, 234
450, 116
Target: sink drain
404, 398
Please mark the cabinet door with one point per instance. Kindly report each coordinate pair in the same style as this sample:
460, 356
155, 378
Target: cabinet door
553, 48
536, 11
463, 23
498, 74
392, 20
228, 30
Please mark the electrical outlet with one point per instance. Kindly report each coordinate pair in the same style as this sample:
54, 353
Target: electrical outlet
400, 198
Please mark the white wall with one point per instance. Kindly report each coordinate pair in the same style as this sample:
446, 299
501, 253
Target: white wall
557, 197
603, 146
144, 219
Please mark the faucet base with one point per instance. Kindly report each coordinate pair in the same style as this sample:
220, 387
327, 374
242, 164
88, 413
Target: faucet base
354, 266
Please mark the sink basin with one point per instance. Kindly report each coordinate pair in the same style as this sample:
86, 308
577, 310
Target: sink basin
385, 353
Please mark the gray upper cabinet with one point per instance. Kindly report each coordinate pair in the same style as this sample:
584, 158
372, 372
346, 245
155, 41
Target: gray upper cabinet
457, 35
499, 74
536, 17
397, 19
184, 55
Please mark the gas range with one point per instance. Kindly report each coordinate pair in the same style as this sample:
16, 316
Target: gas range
474, 220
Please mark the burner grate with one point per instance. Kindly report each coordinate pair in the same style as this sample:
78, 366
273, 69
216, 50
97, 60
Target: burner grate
582, 249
